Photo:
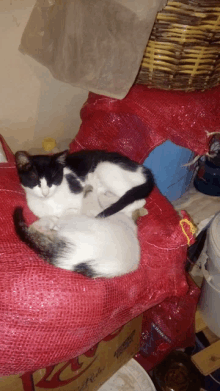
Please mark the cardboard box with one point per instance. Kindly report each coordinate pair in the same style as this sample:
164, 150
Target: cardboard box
86, 372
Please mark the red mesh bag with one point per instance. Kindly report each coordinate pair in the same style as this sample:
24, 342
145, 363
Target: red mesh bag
49, 315
167, 326
147, 117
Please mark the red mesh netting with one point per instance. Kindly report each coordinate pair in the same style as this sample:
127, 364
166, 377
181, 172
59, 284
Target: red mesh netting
49, 315
147, 117
167, 326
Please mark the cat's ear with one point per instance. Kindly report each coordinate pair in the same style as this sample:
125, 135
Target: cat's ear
61, 157
23, 160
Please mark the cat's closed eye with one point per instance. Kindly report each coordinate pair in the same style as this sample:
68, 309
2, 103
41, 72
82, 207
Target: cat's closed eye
32, 178
33, 175
25, 167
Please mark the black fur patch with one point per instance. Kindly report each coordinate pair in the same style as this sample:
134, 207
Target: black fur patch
83, 162
84, 269
32, 168
74, 184
59, 249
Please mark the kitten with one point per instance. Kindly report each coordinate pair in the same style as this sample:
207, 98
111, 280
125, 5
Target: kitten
56, 183
94, 247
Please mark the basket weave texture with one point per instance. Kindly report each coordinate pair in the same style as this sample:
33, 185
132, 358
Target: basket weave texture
183, 52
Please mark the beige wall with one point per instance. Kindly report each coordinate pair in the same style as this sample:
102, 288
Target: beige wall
33, 105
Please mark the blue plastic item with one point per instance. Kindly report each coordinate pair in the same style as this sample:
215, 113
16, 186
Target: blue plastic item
207, 180
166, 163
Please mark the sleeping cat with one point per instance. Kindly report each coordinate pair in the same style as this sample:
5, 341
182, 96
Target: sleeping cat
94, 247
56, 183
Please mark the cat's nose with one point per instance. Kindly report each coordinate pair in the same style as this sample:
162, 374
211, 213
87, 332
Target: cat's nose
45, 192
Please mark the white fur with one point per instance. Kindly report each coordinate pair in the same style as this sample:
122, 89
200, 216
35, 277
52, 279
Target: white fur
117, 180
108, 177
56, 202
110, 246
45, 189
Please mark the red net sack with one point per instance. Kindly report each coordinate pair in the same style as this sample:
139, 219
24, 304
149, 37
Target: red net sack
147, 117
49, 315
167, 326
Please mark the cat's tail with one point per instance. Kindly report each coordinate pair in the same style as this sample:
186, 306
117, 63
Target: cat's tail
136, 193
43, 244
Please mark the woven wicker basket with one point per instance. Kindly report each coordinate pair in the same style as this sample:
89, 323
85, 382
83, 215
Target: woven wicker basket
183, 52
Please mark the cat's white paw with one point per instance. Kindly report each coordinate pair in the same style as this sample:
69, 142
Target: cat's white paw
45, 224
134, 206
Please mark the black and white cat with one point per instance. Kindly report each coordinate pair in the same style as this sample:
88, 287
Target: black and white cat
94, 247
56, 183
